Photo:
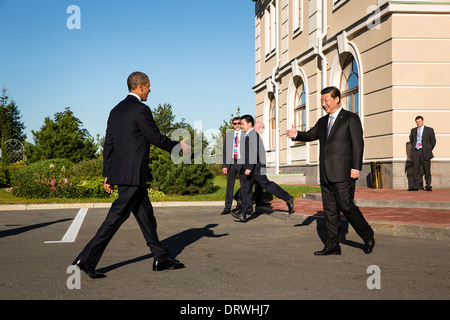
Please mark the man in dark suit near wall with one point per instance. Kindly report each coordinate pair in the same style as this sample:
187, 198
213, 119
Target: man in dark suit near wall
422, 141
130, 131
341, 151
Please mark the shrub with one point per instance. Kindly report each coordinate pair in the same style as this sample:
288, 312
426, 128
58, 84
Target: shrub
44, 179
6, 171
92, 188
88, 169
181, 179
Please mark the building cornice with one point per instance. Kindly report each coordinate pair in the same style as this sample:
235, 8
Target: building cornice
386, 9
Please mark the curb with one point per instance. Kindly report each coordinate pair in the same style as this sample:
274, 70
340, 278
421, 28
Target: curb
25, 207
389, 203
409, 230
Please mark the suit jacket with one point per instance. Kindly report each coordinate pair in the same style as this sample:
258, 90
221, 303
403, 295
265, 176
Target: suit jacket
228, 148
342, 150
129, 132
255, 154
428, 142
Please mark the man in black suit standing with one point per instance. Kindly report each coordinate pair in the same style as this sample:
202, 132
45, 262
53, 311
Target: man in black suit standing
232, 160
422, 141
130, 131
341, 152
255, 171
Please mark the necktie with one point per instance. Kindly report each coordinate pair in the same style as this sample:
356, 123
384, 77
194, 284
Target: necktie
330, 125
419, 139
236, 144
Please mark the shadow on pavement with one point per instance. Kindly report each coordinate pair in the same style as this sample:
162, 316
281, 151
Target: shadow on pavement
175, 243
13, 232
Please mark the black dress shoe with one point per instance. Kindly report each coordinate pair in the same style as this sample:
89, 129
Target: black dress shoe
166, 264
413, 189
428, 188
225, 211
368, 246
239, 215
290, 204
327, 252
90, 272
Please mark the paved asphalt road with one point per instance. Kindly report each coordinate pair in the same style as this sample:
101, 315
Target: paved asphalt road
263, 259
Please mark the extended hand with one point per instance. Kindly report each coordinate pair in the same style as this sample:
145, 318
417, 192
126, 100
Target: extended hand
247, 172
186, 148
291, 133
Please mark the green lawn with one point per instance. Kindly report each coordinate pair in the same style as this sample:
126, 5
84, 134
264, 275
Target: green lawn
6, 197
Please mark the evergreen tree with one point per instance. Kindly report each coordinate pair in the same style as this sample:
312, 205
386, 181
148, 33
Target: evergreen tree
10, 128
62, 137
164, 118
192, 178
10, 125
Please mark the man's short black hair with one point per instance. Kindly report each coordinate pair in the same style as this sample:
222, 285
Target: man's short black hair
333, 91
249, 119
135, 79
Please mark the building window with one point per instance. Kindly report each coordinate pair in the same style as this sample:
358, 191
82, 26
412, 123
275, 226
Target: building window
350, 85
338, 3
297, 16
270, 28
272, 125
299, 106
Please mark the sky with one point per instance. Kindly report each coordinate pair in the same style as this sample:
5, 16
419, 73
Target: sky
198, 54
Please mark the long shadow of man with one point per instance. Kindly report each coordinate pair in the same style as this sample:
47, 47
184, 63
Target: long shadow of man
176, 243
322, 231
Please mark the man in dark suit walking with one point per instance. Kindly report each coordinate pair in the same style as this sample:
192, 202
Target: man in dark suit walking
255, 171
341, 152
130, 131
422, 141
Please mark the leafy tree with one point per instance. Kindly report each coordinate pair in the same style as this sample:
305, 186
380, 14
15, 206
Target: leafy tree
63, 137
191, 178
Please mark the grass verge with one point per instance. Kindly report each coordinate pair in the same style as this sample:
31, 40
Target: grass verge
6, 197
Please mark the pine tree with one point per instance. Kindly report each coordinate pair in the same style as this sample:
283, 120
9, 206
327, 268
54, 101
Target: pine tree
10, 125
63, 137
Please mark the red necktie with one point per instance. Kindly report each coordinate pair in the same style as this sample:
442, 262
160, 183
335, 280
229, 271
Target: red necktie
235, 151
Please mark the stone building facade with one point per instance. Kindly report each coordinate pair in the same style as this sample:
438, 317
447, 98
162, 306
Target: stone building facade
391, 61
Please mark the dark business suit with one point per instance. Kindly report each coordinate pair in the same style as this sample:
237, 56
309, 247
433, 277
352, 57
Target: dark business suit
233, 166
421, 157
340, 152
255, 161
130, 131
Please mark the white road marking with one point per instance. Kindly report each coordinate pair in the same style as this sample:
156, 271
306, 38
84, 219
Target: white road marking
72, 232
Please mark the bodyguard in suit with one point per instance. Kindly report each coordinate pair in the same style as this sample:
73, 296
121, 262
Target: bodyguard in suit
232, 160
422, 141
130, 131
341, 151
255, 171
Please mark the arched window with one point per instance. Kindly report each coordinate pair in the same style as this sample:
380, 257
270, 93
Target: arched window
299, 105
350, 85
272, 124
